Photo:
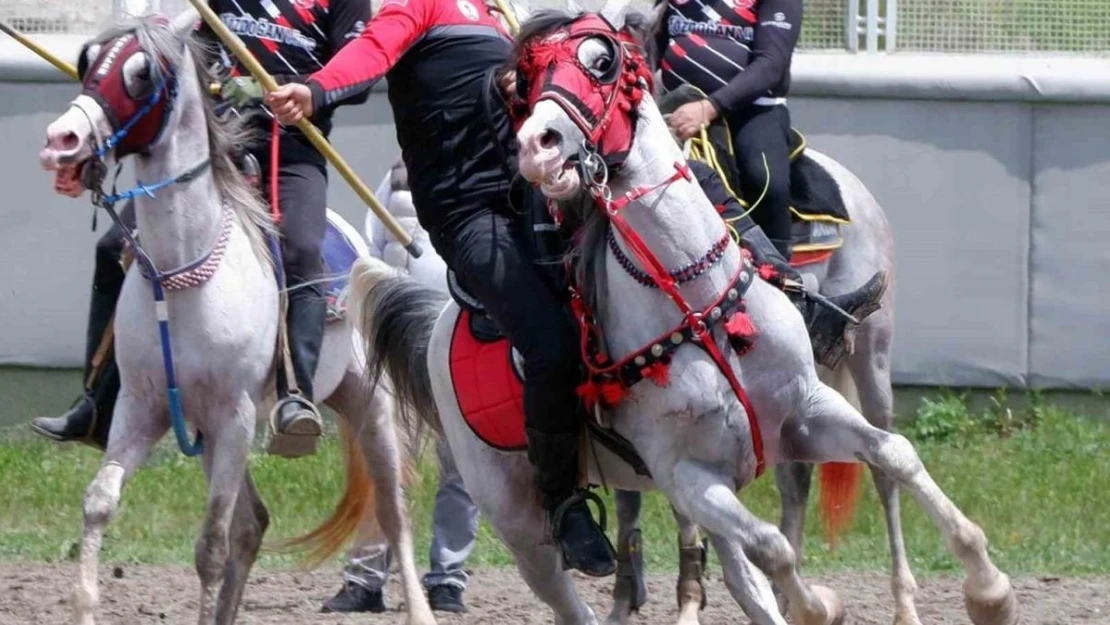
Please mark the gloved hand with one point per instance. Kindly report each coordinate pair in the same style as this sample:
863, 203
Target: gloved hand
243, 91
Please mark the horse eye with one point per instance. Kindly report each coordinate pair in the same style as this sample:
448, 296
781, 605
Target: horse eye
137, 76
596, 56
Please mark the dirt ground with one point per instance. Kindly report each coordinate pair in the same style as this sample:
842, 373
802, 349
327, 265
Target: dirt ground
148, 594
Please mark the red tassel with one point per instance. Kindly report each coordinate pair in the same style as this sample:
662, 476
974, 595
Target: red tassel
740, 325
768, 272
609, 394
612, 393
660, 373
589, 392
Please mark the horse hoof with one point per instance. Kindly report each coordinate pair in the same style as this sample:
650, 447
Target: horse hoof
834, 607
995, 604
906, 619
620, 613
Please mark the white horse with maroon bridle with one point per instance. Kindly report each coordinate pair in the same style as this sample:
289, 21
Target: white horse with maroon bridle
145, 95
728, 383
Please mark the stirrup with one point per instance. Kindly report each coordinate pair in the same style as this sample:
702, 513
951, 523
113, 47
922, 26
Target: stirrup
578, 496
556, 527
294, 444
815, 296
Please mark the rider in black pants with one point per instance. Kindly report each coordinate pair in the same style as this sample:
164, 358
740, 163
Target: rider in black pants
439, 56
308, 37
738, 53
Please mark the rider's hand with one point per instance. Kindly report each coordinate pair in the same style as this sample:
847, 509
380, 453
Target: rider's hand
507, 82
290, 103
242, 91
691, 117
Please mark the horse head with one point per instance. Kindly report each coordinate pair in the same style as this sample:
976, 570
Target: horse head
581, 78
133, 89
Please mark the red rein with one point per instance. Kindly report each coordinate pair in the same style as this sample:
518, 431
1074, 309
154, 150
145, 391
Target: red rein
738, 326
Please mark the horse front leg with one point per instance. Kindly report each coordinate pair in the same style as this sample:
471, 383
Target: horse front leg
692, 554
225, 467
630, 587
130, 441
248, 525
742, 539
833, 431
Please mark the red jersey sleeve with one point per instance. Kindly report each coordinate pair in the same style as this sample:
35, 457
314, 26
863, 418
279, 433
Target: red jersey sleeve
362, 62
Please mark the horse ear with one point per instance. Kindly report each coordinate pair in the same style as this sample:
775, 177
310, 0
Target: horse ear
184, 24
613, 11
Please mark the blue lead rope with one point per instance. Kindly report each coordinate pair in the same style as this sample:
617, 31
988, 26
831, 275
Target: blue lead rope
161, 309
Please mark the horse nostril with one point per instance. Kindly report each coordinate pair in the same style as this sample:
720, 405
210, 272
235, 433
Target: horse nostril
65, 142
550, 138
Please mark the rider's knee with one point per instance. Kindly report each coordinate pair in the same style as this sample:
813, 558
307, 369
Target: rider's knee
556, 353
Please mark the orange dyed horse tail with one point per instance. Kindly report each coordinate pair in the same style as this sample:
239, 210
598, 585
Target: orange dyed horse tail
358, 500
840, 488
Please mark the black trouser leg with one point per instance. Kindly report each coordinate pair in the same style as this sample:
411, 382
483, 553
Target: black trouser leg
764, 132
486, 254
302, 199
487, 258
90, 417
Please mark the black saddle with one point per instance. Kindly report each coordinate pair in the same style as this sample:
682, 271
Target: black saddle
482, 327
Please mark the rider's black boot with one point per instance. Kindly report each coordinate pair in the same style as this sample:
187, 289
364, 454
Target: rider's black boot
831, 333
582, 541
298, 425
90, 417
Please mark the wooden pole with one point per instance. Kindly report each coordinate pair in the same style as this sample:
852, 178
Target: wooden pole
65, 68
236, 47
510, 16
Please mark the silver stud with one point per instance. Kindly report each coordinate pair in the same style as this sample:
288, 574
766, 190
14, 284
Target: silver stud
715, 314
732, 293
676, 338
657, 350
640, 361
744, 277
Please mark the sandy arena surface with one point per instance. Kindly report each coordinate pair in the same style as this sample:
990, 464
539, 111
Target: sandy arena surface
38, 593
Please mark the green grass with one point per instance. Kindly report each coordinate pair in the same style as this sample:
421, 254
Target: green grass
1035, 483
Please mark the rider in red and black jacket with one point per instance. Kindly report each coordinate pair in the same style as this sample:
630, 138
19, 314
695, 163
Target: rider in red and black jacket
440, 57
738, 53
292, 39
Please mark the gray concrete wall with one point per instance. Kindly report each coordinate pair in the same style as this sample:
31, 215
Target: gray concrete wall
994, 184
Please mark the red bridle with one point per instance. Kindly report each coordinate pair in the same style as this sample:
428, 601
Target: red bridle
602, 103
553, 69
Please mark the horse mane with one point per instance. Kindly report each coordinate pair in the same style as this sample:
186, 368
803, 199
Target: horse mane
540, 24
225, 134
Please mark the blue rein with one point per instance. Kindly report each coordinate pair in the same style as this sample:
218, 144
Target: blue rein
156, 277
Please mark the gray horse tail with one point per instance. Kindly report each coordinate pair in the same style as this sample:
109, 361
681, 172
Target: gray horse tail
396, 315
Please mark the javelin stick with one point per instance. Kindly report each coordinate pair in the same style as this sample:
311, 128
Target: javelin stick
236, 47
510, 16
64, 67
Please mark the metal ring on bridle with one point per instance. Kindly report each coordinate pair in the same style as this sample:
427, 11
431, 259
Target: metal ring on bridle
593, 168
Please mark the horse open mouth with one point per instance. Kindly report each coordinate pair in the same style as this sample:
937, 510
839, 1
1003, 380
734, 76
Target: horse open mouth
562, 182
69, 178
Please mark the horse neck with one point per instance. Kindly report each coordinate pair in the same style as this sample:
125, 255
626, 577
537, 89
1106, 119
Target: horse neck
679, 225
181, 223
